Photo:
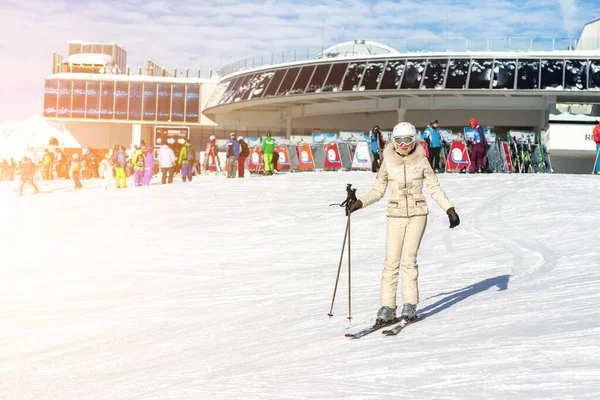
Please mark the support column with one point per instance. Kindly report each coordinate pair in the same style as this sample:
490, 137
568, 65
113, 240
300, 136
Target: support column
136, 134
288, 127
401, 114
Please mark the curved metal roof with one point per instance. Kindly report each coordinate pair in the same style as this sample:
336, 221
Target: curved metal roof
356, 48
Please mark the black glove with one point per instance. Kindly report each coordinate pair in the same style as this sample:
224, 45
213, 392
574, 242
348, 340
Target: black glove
453, 217
357, 205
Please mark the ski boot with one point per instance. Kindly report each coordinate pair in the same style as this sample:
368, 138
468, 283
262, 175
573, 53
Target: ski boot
385, 314
409, 312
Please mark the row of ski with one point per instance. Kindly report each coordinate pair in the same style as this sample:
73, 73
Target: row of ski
397, 325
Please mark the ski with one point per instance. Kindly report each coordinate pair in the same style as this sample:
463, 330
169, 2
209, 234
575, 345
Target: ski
371, 329
396, 329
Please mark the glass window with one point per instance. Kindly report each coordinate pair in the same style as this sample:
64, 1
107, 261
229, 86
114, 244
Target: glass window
413, 74
86, 48
318, 78
163, 108
262, 81
178, 102
373, 72
149, 101
78, 102
121, 100
335, 77
481, 74
435, 74
135, 100
97, 48
216, 95
74, 48
92, 100
192, 103
595, 74
552, 74
392, 74
50, 97
107, 100
64, 98
353, 76
244, 89
528, 74
504, 74
458, 69
288, 81
272, 88
226, 98
576, 74
302, 81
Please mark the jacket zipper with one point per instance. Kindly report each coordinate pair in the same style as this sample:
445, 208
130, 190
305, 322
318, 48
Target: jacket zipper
405, 191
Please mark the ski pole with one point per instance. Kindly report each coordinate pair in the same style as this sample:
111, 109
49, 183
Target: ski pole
339, 266
349, 273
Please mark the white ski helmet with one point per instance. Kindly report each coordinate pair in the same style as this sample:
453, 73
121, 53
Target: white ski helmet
404, 133
212, 137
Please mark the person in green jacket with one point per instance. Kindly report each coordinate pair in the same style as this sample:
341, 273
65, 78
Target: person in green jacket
268, 146
187, 156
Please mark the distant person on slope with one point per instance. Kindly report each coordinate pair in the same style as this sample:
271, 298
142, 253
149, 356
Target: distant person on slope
479, 148
75, 171
233, 152
138, 165
148, 166
268, 146
597, 140
211, 151
187, 156
244, 153
377, 145
405, 168
166, 160
433, 137
27, 171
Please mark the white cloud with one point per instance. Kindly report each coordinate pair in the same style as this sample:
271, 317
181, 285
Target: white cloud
212, 33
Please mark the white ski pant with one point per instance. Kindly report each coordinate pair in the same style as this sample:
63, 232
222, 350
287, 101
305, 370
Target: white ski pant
402, 245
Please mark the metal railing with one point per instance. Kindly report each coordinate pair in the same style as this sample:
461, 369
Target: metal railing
516, 44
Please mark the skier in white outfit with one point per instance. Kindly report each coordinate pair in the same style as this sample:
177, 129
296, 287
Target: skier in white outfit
405, 168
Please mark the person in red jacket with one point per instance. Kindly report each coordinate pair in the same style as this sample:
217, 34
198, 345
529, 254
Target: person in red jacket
597, 140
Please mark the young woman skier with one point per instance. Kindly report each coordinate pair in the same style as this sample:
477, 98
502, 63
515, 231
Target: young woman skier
405, 168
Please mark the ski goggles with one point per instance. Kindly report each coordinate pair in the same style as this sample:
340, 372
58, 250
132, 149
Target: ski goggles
404, 140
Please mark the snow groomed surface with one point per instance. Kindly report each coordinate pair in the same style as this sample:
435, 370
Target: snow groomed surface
220, 289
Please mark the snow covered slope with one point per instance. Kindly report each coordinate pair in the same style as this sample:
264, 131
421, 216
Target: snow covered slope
219, 289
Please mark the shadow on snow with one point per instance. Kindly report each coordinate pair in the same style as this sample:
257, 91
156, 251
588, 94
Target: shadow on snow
459, 295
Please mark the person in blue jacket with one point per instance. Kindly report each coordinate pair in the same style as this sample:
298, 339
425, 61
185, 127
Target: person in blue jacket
433, 137
233, 153
377, 145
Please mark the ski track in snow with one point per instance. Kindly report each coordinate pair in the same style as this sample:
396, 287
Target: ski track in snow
219, 289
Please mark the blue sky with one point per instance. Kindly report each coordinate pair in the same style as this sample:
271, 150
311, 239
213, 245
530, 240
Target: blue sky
209, 34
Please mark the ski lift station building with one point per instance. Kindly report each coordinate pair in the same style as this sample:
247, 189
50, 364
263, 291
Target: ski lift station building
548, 86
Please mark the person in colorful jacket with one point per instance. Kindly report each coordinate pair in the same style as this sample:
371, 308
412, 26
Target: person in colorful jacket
75, 171
119, 160
47, 165
211, 151
433, 137
233, 152
479, 147
187, 155
597, 140
138, 165
267, 148
148, 166
405, 168
377, 145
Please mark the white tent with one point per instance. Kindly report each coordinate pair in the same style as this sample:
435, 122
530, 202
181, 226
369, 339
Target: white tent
17, 139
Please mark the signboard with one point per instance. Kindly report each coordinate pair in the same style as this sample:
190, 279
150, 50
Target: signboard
362, 156
255, 161
253, 141
346, 136
283, 162
470, 135
458, 157
323, 138
333, 160
522, 136
171, 135
305, 157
